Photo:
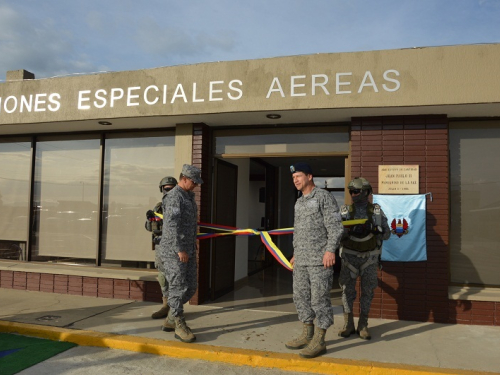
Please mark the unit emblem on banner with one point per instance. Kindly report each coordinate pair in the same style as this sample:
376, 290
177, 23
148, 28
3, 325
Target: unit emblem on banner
399, 228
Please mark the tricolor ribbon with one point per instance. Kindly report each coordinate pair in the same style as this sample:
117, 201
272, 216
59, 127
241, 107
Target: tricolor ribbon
265, 236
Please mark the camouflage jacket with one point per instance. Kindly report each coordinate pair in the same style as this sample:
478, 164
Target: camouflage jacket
317, 227
180, 216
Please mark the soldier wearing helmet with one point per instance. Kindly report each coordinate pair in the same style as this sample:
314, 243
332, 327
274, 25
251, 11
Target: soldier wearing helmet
360, 251
154, 225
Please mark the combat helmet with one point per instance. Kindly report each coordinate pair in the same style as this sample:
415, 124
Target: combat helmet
361, 184
169, 180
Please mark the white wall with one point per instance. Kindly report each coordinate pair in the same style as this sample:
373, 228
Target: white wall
242, 209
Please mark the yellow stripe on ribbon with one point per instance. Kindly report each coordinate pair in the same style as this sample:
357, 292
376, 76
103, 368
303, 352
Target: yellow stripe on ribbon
275, 251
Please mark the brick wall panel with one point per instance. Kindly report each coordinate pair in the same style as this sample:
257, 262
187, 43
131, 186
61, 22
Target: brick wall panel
75, 291
19, 281
137, 286
61, 284
137, 296
78, 285
414, 159
47, 283
392, 130
7, 279
393, 147
75, 285
121, 289
105, 288
482, 305
202, 159
480, 314
376, 153
421, 140
371, 140
408, 126
121, 284
90, 286
33, 281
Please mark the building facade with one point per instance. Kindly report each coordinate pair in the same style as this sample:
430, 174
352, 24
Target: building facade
81, 158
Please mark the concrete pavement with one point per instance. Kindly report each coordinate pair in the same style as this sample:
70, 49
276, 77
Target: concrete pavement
91, 360
252, 337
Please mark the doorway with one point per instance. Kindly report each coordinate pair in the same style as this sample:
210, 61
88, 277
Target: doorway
265, 201
224, 213
263, 212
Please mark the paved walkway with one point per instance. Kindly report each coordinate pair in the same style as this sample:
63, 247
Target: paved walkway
252, 337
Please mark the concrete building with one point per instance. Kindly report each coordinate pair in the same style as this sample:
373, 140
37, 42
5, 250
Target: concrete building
81, 158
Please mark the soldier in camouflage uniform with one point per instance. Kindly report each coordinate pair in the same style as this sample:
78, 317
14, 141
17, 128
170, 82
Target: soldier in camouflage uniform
154, 225
360, 253
317, 233
178, 250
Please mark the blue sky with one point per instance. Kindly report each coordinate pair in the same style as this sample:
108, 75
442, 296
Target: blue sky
61, 37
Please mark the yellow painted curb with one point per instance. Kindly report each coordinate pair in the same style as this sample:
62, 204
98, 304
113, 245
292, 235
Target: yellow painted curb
239, 357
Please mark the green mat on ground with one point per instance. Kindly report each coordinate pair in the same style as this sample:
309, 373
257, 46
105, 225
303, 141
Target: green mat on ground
20, 352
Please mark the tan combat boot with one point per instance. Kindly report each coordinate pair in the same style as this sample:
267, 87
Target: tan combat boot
182, 331
317, 345
163, 312
363, 327
304, 339
169, 323
349, 327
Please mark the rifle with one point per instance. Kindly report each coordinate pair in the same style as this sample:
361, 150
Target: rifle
154, 218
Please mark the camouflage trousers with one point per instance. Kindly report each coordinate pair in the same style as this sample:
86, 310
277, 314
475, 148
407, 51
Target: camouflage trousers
181, 280
311, 294
347, 283
162, 280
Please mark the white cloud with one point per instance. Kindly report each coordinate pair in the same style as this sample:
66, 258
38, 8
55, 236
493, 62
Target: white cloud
38, 46
93, 35
160, 40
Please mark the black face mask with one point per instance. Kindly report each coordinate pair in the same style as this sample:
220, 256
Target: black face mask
361, 198
166, 189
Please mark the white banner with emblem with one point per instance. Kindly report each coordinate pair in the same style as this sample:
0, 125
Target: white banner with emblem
406, 215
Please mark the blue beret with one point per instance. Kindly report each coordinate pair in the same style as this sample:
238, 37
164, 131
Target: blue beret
301, 167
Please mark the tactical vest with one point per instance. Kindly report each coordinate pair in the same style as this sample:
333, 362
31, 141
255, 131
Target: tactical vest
370, 241
157, 226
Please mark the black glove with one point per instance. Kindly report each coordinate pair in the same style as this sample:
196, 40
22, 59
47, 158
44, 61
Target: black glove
150, 215
358, 230
362, 230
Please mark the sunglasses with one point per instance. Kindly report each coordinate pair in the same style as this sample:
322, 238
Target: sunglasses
167, 188
354, 191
